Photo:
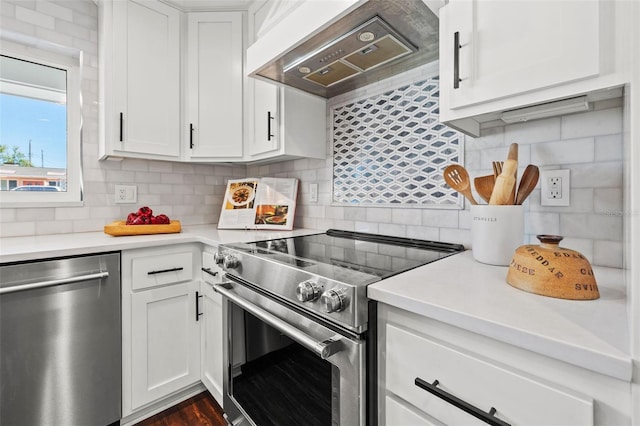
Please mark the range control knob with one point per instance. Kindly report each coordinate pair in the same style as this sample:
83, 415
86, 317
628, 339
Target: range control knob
307, 291
333, 301
218, 258
230, 262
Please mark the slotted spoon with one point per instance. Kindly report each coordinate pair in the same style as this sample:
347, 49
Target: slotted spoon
457, 178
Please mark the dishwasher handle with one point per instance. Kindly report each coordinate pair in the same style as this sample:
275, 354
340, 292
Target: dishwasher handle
323, 349
51, 283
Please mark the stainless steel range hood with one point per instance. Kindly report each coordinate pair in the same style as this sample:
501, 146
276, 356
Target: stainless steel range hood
375, 41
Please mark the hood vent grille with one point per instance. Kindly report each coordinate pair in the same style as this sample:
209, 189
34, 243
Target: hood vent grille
364, 48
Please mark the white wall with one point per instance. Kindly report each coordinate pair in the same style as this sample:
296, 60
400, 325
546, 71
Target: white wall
188, 192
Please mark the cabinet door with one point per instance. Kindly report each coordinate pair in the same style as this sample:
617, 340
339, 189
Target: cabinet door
212, 339
165, 340
266, 119
215, 78
146, 78
511, 47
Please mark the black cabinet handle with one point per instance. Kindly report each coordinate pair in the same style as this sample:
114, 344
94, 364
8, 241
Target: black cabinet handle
198, 313
162, 271
191, 135
456, 60
210, 272
269, 118
487, 417
121, 126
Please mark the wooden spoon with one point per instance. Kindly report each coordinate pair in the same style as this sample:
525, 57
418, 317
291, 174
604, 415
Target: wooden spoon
457, 178
528, 181
484, 186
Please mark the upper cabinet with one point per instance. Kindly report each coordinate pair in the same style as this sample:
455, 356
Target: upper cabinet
283, 122
140, 79
497, 56
214, 107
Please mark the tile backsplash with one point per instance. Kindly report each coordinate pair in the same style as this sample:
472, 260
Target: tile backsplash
590, 144
390, 149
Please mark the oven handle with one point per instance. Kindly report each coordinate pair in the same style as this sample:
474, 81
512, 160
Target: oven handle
323, 349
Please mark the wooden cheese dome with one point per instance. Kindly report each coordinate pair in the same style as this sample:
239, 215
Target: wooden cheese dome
550, 270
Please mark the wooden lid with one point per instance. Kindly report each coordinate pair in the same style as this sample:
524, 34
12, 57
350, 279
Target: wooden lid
553, 271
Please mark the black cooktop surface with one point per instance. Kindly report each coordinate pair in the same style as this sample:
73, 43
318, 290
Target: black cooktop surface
372, 254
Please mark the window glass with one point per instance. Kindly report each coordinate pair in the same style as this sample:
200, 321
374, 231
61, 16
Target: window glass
39, 132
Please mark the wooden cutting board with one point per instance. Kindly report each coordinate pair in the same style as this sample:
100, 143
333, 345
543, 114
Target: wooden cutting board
120, 228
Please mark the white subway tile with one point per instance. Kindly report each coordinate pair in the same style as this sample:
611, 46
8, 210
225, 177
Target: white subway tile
542, 223
54, 227
544, 130
608, 201
54, 10
563, 152
379, 214
17, 229
593, 123
609, 148
591, 226
440, 218
35, 18
403, 216
608, 253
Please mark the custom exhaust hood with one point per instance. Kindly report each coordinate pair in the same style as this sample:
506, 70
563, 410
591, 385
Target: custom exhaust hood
379, 39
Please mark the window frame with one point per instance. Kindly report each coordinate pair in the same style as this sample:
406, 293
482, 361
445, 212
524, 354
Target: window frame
73, 196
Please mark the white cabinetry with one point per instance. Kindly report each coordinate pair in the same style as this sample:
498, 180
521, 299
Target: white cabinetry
140, 79
212, 333
523, 388
215, 81
514, 54
160, 327
283, 122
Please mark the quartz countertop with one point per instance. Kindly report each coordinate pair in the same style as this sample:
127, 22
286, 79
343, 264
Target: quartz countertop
18, 249
476, 297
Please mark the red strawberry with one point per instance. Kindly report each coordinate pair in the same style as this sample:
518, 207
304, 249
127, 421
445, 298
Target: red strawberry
145, 211
141, 220
163, 219
131, 218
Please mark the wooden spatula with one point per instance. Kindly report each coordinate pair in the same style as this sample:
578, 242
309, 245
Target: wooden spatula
484, 186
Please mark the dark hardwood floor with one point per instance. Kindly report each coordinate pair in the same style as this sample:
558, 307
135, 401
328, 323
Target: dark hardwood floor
201, 410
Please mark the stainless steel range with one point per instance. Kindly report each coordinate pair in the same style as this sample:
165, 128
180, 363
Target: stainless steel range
299, 348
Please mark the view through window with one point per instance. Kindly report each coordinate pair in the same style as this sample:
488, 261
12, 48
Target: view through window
33, 126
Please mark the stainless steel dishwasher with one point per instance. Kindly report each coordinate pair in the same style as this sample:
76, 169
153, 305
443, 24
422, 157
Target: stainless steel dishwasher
60, 341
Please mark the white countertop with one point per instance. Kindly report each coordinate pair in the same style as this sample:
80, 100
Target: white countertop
473, 296
456, 290
17, 249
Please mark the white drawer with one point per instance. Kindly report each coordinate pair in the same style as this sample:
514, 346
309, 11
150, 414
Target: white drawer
151, 269
517, 399
397, 413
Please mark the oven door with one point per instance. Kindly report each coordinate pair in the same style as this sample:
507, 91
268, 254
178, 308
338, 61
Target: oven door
284, 368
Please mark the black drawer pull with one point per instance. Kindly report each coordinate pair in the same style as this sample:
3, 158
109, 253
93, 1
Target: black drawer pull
121, 127
487, 417
456, 60
162, 271
191, 135
210, 272
269, 118
198, 313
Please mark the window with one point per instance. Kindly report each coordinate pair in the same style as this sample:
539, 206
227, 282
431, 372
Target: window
40, 131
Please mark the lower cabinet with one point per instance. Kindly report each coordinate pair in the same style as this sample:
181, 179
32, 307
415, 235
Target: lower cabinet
431, 373
165, 342
211, 328
160, 326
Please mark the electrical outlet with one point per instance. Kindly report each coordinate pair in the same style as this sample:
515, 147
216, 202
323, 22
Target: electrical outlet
313, 192
555, 187
126, 194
